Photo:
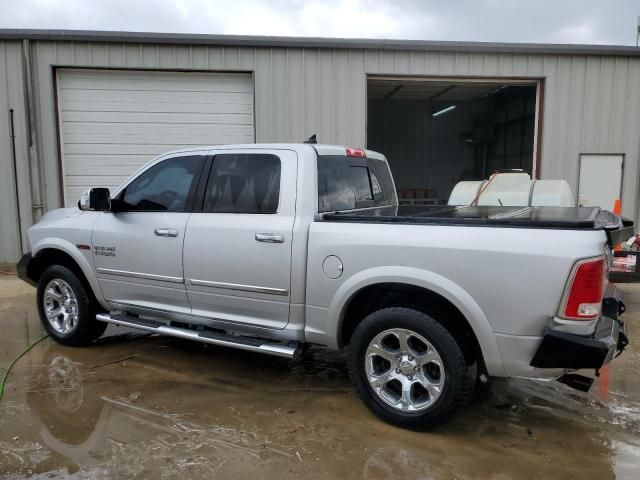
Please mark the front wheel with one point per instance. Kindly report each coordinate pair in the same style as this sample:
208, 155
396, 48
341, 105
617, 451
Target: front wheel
67, 308
408, 369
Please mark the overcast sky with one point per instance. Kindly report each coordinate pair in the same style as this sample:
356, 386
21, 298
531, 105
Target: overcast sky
546, 21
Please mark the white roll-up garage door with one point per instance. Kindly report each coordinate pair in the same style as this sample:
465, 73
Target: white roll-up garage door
114, 121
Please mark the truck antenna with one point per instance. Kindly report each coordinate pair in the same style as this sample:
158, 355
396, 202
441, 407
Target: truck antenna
312, 139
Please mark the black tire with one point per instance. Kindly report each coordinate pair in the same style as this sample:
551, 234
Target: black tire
87, 328
458, 384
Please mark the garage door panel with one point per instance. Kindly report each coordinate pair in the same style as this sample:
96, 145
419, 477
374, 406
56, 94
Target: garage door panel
144, 97
155, 138
126, 107
113, 122
103, 164
131, 81
118, 149
159, 118
80, 180
94, 132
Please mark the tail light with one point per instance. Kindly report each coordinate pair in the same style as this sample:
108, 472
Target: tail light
355, 152
583, 295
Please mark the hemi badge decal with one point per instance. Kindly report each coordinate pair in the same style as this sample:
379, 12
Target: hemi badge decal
82, 246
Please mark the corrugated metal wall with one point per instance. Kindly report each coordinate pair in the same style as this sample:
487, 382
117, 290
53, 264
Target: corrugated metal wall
591, 103
12, 97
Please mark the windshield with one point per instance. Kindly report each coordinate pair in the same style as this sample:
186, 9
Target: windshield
347, 183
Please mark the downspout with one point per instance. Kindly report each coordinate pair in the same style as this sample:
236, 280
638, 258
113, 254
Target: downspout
35, 170
15, 176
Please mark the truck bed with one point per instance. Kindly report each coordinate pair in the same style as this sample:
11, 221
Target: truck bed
494, 216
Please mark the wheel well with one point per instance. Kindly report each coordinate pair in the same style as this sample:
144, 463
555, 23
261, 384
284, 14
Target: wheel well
52, 256
383, 295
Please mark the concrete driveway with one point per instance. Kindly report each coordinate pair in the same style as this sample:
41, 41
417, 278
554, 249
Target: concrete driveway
139, 406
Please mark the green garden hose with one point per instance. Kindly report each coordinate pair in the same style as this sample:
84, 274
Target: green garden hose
15, 360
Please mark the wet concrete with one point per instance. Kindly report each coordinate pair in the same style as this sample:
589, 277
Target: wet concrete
139, 406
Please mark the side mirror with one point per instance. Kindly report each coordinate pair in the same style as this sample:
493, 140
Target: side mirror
95, 199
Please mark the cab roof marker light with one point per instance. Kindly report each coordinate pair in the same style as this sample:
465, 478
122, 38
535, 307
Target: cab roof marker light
444, 110
355, 152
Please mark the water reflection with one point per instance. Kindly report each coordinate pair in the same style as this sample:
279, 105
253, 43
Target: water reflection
181, 411
88, 428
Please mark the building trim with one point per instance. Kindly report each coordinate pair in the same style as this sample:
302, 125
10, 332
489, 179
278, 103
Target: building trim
538, 128
316, 42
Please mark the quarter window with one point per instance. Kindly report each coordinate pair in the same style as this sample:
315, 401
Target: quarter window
243, 183
346, 184
167, 186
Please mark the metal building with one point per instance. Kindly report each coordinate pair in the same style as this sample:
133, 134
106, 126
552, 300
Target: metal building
87, 108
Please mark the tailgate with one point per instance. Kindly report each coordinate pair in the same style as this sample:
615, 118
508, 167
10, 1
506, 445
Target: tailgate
618, 229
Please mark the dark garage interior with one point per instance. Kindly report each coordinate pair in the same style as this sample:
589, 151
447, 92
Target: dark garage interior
436, 133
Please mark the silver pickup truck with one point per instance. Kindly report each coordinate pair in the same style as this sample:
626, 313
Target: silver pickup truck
269, 248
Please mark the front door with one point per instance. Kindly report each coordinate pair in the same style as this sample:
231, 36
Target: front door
237, 254
138, 248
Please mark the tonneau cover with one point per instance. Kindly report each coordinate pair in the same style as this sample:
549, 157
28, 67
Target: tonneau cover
531, 217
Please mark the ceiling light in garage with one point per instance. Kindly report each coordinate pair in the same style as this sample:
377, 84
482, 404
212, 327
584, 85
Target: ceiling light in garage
444, 110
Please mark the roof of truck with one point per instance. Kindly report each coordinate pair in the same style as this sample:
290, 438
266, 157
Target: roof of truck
320, 148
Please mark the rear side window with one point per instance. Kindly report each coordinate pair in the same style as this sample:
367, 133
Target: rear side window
167, 186
346, 183
243, 183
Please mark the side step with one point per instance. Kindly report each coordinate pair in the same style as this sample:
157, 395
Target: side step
290, 350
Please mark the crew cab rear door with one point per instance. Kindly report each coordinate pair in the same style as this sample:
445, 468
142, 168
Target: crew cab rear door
237, 251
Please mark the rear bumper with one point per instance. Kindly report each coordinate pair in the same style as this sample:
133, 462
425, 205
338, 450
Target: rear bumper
574, 352
23, 268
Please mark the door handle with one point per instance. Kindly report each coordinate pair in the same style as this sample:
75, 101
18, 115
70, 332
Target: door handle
166, 232
269, 238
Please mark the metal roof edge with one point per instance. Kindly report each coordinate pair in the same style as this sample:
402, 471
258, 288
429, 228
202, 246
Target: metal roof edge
316, 42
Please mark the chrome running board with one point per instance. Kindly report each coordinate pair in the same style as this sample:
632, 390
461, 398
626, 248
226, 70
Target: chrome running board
287, 350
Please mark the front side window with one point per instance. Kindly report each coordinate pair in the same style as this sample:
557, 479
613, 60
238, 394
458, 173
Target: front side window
243, 183
346, 183
167, 186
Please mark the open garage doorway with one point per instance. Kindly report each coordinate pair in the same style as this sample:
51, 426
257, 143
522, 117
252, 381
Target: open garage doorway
437, 132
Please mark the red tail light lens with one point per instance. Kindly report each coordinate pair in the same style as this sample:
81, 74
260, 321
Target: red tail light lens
583, 297
355, 152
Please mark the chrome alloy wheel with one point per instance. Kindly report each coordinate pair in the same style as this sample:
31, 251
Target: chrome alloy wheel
60, 306
404, 370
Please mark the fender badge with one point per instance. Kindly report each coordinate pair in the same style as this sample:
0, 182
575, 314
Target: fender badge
107, 251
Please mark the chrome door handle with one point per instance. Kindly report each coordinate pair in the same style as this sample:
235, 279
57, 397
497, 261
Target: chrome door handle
166, 232
269, 238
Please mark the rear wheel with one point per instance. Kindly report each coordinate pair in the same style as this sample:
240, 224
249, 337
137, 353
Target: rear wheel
67, 308
408, 369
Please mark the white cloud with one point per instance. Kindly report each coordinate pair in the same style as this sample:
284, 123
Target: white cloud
584, 32
545, 21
